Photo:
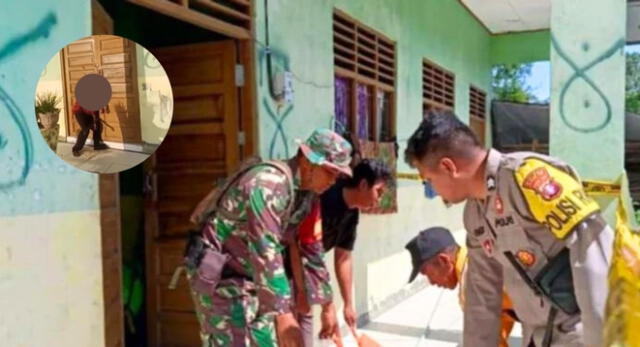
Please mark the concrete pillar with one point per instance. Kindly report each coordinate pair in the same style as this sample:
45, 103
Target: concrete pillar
587, 79
587, 89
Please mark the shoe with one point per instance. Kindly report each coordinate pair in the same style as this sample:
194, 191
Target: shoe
76, 153
101, 146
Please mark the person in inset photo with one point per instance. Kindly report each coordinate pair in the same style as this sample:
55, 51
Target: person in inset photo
88, 120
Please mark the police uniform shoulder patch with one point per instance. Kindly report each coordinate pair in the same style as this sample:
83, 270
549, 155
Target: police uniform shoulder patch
554, 197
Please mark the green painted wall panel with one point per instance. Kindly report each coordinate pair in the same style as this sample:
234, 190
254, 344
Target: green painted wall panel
50, 266
587, 88
301, 39
33, 179
515, 48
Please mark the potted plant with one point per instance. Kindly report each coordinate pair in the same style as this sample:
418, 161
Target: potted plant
48, 113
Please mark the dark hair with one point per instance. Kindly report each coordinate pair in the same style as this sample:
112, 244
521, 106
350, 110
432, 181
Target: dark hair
440, 134
372, 170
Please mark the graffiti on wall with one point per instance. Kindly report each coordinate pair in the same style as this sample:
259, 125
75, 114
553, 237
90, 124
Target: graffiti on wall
10, 108
580, 73
277, 112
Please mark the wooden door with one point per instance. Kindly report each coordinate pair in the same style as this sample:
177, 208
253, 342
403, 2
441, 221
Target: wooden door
201, 147
115, 59
110, 226
79, 60
117, 63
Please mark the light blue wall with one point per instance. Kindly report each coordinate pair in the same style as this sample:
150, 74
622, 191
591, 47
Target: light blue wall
50, 236
33, 180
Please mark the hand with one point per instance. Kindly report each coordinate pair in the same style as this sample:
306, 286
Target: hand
350, 316
288, 331
329, 322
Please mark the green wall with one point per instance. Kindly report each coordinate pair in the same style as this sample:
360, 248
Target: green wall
518, 48
33, 179
587, 90
50, 264
301, 38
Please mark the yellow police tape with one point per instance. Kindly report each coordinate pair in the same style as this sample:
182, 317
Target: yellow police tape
622, 320
408, 176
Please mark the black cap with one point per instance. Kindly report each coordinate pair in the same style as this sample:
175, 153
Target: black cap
427, 244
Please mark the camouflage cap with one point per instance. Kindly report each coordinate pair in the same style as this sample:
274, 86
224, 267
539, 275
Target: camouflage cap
326, 148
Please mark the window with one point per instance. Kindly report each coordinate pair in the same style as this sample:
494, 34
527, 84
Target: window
477, 111
365, 80
438, 87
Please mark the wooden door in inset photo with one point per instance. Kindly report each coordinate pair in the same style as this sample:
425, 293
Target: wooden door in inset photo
115, 59
117, 63
201, 147
79, 60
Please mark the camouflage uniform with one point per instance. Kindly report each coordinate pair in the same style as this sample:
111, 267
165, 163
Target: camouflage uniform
254, 287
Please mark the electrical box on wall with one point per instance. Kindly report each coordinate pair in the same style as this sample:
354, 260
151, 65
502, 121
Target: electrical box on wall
283, 87
288, 87
278, 85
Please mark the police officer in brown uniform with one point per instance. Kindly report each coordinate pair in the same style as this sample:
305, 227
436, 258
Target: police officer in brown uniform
530, 228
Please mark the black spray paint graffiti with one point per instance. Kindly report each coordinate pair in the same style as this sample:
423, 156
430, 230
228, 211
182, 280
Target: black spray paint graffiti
278, 120
42, 30
581, 73
275, 115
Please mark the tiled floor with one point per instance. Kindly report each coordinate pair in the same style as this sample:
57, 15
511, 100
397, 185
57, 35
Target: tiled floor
106, 161
431, 318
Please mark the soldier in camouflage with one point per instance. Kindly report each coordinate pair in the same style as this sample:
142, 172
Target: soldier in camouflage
257, 217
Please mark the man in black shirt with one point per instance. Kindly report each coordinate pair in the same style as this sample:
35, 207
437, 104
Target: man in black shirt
340, 210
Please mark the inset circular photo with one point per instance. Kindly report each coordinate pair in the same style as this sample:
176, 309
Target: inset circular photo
103, 104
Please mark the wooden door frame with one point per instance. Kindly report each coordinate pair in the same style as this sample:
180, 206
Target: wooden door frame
247, 95
111, 244
110, 217
247, 99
